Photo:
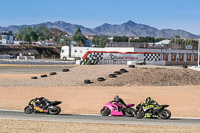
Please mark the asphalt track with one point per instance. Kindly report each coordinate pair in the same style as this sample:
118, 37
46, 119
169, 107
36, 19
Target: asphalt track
19, 115
29, 70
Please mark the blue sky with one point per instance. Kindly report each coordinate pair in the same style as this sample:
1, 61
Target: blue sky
161, 14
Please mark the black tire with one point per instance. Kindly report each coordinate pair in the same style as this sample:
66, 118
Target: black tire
165, 114
87, 81
33, 77
105, 112
117, 73
184, 66
29, 109
112, 75
123, 70
131, 66
101, 79
64, 58
54, 111
130, 112
65, 70
53, 73
43, 76
139, 114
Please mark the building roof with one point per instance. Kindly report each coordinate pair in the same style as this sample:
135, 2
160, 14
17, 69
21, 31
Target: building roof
163, 42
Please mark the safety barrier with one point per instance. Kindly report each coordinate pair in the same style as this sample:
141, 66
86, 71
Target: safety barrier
37, 62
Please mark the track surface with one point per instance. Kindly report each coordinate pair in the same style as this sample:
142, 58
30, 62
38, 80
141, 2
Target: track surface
28, 70
97, 119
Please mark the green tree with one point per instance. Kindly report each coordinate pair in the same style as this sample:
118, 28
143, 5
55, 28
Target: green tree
100, 41
64, 41
79, 37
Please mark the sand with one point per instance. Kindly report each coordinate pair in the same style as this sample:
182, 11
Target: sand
184, 101
16, 126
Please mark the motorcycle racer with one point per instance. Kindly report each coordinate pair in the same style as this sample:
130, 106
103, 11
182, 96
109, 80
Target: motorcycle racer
119, 101
150, 101
43, 101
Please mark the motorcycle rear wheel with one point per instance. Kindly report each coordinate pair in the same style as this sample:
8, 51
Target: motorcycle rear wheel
29, 109
165, 114
130, 112
139, 114
105, 112
55, 110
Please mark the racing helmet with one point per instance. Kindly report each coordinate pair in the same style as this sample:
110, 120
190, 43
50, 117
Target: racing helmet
116, 98
148, 99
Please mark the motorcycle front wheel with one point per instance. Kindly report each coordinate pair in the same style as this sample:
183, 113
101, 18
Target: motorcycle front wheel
130, 112
165, 114
29, 109
105, 112
55, 110
139, 114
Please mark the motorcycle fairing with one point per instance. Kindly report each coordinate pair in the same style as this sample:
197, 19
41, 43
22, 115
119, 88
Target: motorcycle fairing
39, 109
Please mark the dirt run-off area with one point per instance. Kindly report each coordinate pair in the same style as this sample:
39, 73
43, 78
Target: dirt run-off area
139, 76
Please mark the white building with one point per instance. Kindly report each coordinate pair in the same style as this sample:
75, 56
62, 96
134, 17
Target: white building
7, 39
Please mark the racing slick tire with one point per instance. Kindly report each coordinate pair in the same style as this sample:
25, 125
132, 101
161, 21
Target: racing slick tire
130, 112
105, 112
29, 109
165, 114
139, 114
55, 110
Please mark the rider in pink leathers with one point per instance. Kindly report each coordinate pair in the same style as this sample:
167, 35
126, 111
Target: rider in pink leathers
119, 101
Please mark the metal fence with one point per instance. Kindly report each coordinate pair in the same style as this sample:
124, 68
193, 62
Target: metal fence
113, 62
36, 62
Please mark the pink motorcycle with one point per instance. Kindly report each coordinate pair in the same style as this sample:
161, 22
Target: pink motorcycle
115, 109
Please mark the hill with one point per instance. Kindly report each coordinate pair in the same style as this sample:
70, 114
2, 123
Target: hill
129, 28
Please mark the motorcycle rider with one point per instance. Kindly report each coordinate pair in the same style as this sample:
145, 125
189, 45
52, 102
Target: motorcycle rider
43, 102
150, 101
119, 101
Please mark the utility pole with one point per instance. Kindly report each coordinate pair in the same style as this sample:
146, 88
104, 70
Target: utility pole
198, 51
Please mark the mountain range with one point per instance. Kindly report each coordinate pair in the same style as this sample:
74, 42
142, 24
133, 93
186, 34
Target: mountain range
129, 28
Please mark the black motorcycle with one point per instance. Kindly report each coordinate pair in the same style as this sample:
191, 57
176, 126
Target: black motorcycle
152, 111
36, 106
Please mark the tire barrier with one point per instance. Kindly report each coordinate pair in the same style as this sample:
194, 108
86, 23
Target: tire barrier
65, 70
33, 77
184, 66
87, 81
117, 73
131, 66
123, 70
43, 76
53, 73
112, 76
101, 79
